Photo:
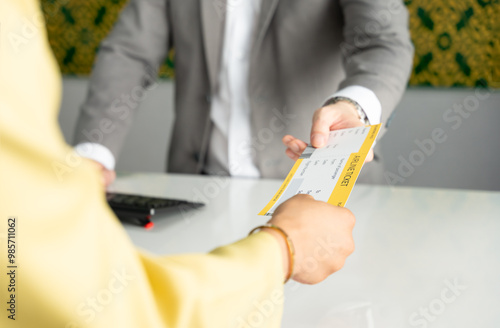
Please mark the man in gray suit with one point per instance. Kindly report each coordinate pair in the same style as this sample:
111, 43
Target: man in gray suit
249, 74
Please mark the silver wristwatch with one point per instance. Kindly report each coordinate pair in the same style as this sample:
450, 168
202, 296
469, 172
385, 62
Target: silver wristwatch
362, 116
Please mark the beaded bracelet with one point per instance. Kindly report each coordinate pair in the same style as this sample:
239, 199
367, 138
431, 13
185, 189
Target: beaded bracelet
289, 244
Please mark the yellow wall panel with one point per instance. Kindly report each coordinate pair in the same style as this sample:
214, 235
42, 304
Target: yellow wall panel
456, 41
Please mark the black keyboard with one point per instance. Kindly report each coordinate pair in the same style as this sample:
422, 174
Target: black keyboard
126, 203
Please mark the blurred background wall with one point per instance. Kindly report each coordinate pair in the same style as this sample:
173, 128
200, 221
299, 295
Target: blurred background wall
453, 92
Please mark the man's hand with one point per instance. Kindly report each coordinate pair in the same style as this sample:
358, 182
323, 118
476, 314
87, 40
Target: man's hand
321, 234
341, 115
108, 176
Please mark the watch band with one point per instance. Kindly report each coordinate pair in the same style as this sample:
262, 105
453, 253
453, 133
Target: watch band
362, 116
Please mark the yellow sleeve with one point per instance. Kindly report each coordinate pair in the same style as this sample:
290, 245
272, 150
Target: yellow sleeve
223, 286
72, 264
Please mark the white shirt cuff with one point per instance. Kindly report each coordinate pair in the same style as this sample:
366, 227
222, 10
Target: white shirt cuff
96, 152
365, 98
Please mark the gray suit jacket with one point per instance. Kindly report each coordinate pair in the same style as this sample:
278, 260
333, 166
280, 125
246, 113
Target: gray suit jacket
303, 51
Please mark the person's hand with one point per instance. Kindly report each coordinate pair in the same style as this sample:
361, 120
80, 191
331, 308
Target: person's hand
321, 234
108, 176
341, 115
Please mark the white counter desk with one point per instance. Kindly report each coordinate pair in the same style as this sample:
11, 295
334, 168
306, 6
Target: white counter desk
423, 258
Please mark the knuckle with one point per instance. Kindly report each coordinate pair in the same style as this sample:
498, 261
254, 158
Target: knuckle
351, 219
351, 247
338, 265
304, 196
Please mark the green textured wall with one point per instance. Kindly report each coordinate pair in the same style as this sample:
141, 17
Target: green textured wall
456, 41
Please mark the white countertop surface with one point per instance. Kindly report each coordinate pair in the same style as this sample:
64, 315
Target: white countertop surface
423, 258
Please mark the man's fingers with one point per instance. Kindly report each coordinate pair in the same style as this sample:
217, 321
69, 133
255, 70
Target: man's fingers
286, 139
341, 115
298, 146
322, 121
291, 154
293, 144
318, 140
319, 132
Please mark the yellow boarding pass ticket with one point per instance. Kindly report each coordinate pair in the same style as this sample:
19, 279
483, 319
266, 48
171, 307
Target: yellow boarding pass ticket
328, 173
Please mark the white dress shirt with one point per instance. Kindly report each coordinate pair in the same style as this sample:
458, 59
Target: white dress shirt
230, 111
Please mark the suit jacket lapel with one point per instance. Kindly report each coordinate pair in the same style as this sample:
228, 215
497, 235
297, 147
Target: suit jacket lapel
213, 13
267, 10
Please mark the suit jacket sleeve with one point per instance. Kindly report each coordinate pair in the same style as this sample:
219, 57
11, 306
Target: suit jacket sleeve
125, 70
76, 266
377, 50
